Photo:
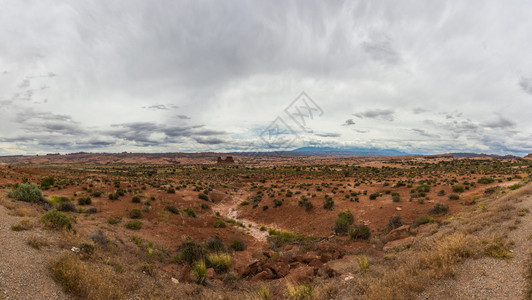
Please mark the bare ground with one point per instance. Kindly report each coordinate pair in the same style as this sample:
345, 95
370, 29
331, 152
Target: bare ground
23, 269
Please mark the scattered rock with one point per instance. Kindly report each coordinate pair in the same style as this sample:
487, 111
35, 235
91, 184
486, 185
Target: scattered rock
398, 233
174, 280
210, 273
279, 265
399, 243
301, 274
264, 275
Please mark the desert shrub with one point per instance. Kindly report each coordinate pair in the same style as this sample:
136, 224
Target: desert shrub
486, 180
203, 196
54, 219
190, 252
424, 188
328, 203
190, 212
219, 224
277, 203
24, 224
86, 249
395, 222
360, 232
47, 182
84, 201
113, 220
238, 244
423, 220
96, 194
374, 196
113, 196
215, 244
458, 188
347, 215
441, 193
170, 191
454, 197
135, 213
28, 192
514, 186
396, 197
134, 225
497, 249
220, 262
135, 199
199, 269
341, 226
304, 202
243, 203
66, 206
439, 208
172, 209
37, 242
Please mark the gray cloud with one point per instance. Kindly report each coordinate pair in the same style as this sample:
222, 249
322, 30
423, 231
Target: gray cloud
327, 134
382, 51
526, 85
500, 123
383, 114
349, 122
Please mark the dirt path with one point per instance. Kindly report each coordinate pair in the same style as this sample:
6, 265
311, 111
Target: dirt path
491, 278
228, 209
23, 269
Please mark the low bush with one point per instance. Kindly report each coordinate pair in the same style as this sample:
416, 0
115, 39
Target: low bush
172, 209
360, 232
395, 222
238, 244
84, 201
134, 225
135, 199
486, 180
66, 206
219, 224
135, 213
27, 192
190, 212
190, 252
458, 188
199, 269
454, 197
54, 219
203, 196
423, 220
215, 244
439, 208
328, 203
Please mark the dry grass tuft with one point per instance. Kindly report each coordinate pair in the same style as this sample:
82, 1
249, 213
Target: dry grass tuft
37, 242
528, 292
23, 211
81, 280
24, 224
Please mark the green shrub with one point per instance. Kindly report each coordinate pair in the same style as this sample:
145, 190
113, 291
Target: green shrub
47, 182
135, 199
172, 209
458, 188
28, 192
215, 244
238, 244
360, 232
396, 197
439, 208
277, 203
220, 224
395, 222
190, 212
341, 226
190, 252
514, 186
243, 203
66, 206
202, 196
134, 225
423, 220
328, 203
306, 204
486, 180
113, 220
54, 219
135, 213
84, 201
374, 196
454, 197
347, 215
113, 196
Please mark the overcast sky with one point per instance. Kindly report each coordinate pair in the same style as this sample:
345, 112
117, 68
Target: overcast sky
170, 76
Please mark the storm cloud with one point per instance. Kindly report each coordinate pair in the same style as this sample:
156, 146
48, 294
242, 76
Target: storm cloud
132, 75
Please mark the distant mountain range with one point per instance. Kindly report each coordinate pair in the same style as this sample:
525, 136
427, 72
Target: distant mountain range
471, 155
354, 151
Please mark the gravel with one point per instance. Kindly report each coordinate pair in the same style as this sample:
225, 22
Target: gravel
23, 269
